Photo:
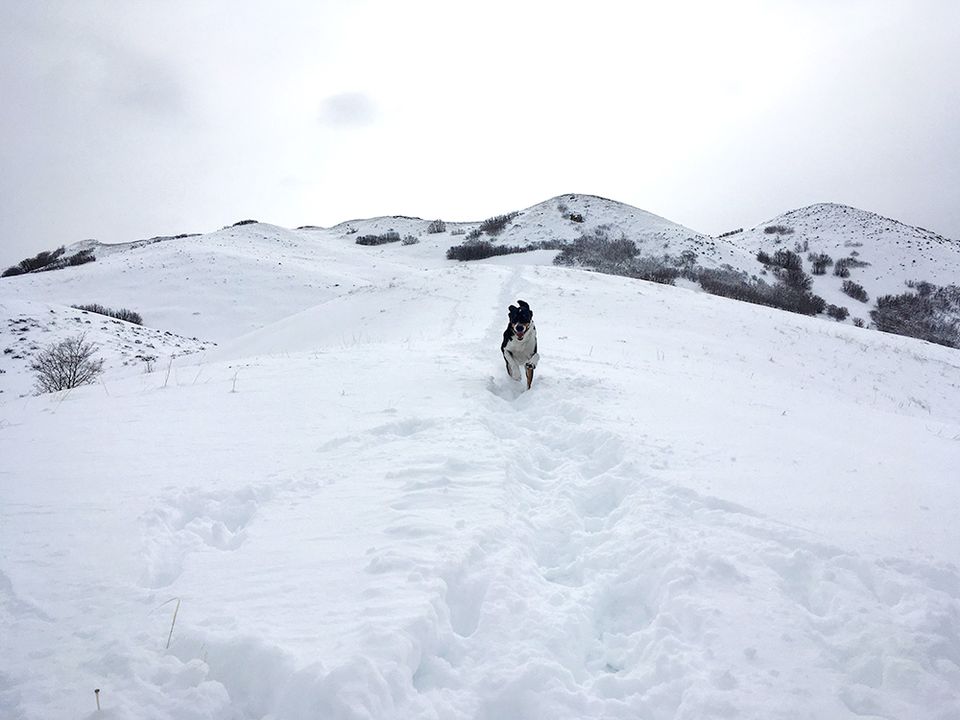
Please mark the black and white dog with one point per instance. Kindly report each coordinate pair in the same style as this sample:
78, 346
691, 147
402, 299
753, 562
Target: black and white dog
520, 342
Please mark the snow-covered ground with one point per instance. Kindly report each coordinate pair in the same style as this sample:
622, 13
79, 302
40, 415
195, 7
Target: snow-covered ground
702, 508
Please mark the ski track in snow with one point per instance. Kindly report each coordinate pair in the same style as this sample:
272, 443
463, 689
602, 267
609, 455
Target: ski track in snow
516, 559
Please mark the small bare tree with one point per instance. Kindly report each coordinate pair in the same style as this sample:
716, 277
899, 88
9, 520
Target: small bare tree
66, 364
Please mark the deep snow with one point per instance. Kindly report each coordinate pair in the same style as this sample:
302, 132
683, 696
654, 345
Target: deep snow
702, 509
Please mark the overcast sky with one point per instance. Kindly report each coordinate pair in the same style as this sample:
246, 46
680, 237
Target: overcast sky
124, 119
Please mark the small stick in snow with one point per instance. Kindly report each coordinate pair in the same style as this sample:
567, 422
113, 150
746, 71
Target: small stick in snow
174, 621
96, 694
169, 365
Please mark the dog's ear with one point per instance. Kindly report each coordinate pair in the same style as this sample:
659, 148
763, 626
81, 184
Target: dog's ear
512, 309
523, 304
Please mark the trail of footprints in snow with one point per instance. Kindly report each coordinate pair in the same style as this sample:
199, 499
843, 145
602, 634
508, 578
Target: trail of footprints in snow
627, 591
191, 520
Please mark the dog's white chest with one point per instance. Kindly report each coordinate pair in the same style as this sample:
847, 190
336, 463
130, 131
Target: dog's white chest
523, 350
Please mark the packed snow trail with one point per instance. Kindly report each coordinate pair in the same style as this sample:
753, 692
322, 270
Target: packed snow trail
385, 526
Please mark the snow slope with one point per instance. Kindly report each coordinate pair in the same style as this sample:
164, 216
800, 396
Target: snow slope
702, 509
895, 252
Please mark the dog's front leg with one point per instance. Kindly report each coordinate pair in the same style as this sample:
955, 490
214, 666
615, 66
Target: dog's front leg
529, 369
513, 367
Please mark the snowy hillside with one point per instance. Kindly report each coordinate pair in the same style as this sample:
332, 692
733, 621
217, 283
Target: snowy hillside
702, 509
894, 252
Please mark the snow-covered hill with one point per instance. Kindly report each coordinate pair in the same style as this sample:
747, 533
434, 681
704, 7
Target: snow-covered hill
895, 253
702, 509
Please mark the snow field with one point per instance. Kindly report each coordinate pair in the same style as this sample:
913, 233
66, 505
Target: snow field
364, 518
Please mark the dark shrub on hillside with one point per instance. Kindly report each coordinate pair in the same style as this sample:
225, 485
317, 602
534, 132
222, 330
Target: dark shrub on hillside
122, 314
576, 217
739, 286
663, 271
837, 313
730, 232
437, 226
80, 258
788, 267
458, 231
383, 239
410, 240
474, 234
598, 251
49, 260
930, 313
481, 249
66, 364
778, 230
245, 222
855, 290
842, 268
40, 260
496, 224
820, 261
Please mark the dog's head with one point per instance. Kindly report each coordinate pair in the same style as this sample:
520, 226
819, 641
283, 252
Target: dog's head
520, 318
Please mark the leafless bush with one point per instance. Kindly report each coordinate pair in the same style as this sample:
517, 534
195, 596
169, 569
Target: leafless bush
842, 268
482, 249
129, 316
855, 290
778, 230
66, 364
437, 226
390, 236
837, 312
821, 261
496, 224
49, 260
930, 313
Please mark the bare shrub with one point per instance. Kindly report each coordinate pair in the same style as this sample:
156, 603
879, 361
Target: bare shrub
66, 364
481, 249
735, 284
458, 231
837, 312
787, 266
129, 316
49, 260
496, 224
437, 226
599, 251
842, 268
410, 240
820, 261
778, 230
930, 313
382, 239
855, 290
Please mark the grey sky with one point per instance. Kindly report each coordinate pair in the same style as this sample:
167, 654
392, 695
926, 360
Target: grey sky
123, 119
